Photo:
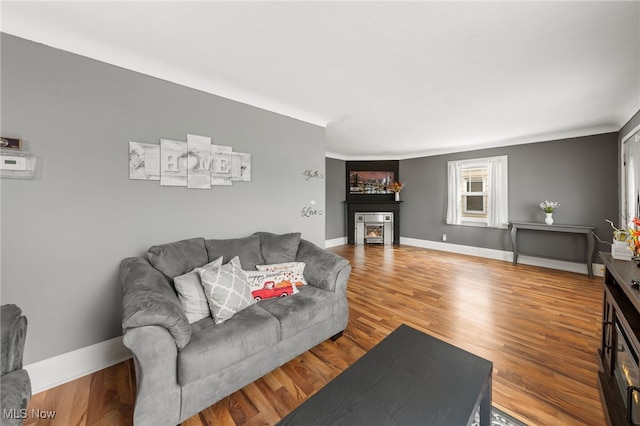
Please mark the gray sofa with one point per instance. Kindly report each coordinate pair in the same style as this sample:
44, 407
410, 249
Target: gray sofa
182, 368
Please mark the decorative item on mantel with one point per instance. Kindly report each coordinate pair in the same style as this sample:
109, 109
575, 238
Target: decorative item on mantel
397, 187
549, 207
626, 242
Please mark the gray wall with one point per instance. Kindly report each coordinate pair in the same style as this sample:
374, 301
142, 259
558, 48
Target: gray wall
63, 236
335, 187
580, 173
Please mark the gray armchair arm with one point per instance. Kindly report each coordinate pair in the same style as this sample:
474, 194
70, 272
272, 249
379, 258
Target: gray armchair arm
14, 334
15, 385
149, 299
323, 269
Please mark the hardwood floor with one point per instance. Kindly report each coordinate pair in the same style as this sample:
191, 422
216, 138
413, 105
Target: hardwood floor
540, 328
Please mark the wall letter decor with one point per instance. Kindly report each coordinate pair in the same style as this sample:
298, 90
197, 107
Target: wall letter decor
221, 165
199, 162
196, 163
173, 163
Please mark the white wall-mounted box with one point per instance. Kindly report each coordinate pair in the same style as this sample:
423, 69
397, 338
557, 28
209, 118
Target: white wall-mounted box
17, 165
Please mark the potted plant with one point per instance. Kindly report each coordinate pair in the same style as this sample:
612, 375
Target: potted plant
397, 187
549, 207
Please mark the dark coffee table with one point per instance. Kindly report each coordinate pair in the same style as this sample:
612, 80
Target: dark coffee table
409, 378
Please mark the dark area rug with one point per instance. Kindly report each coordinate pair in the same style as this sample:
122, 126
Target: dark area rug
499, 418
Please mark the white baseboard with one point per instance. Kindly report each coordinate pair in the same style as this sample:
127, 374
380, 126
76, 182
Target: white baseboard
60, 369
457, 248
335, 242
507, 256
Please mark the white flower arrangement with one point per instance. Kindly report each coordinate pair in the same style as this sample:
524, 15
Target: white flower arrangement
549, 206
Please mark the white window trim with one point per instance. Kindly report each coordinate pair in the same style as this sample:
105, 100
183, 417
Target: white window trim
629, 176
473, 221
497, 211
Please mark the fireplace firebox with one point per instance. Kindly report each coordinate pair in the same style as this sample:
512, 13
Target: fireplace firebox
374, 233
374, 227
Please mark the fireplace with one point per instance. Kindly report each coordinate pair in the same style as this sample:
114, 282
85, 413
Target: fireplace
370, 200
374, 228
359, 211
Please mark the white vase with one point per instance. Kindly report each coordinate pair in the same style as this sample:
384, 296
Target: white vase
397, 196
549, 219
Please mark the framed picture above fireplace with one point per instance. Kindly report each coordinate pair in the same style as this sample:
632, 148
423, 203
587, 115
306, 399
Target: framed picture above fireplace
371, 180
367, 182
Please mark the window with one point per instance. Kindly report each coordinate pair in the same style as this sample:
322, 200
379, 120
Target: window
478, 192
474, 191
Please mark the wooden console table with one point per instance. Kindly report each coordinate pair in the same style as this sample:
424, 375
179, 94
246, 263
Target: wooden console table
572, 229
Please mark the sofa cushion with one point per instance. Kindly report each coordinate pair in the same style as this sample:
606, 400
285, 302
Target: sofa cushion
214, 347
226, 289
178, 258
191, 293
295, 314
295, 271
269, 284
247, 249
278, 248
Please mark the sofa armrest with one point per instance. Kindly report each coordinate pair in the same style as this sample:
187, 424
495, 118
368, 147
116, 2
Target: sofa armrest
148, 299
155, 358
323, 269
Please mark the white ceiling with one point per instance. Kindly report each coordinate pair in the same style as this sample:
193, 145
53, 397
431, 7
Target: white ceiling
388, 80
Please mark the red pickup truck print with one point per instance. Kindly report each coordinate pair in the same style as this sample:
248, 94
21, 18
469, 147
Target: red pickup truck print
270, 290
